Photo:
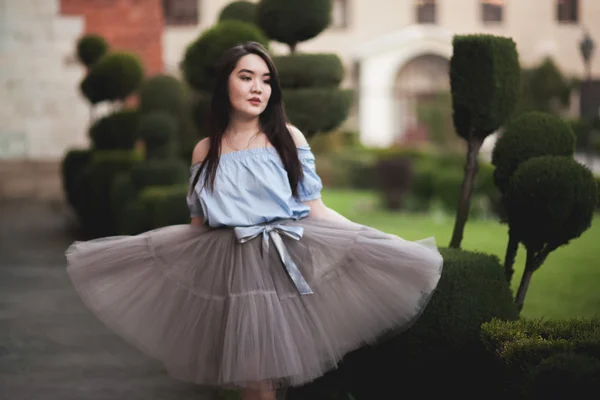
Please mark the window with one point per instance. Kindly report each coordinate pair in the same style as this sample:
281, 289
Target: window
567, 11
426, 11
180, 12
492, 10
339, 14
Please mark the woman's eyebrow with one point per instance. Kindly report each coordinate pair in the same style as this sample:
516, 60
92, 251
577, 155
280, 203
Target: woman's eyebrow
251, 72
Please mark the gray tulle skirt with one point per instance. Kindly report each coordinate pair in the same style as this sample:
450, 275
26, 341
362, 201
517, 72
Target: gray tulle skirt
221, 311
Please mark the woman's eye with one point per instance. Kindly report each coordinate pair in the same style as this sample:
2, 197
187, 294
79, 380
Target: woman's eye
268, 82
245, 78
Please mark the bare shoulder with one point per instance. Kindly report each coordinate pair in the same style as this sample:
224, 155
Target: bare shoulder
297, 135
200, 151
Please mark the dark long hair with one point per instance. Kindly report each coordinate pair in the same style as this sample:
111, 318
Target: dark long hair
273, 119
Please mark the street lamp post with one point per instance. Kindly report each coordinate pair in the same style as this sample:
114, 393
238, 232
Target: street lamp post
586, 46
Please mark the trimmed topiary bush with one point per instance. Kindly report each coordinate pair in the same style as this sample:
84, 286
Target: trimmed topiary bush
530, 135
90, 49
115, 131
293, 21
539, 354
72, 166
309, 70
244, 11
565, 375
165, 172
550, 201
484, 81
165, 206
202, 55
165, 93
158, 131
114, 77
315, 110
97, 215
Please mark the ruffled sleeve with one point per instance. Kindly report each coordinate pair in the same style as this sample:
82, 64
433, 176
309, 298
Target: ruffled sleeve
192, 200
309, 188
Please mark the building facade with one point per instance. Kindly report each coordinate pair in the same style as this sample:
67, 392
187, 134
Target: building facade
396, 51
396, 54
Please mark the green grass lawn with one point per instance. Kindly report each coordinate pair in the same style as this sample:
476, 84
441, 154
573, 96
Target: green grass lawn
567, 285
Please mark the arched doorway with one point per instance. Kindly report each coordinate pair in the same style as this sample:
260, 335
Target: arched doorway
423, 108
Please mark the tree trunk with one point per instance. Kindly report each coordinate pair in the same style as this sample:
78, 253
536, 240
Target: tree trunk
530, 267
462, 212
509, 258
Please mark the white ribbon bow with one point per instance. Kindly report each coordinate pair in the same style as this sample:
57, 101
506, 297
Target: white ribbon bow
245, 234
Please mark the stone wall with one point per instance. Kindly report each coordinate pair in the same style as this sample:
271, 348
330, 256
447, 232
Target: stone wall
42, 112
131, 25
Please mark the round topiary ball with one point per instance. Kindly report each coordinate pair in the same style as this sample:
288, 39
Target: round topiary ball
244, 11
565, 375
90, 48
114, 77
115, 131
309, 70
293, 21
202, 56
531, 134
550, 201
163, 93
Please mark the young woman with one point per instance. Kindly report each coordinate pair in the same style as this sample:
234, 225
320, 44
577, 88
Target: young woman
267, 287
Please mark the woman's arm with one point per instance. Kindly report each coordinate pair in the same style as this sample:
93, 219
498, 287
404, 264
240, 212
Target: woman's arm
319, 210
197, 221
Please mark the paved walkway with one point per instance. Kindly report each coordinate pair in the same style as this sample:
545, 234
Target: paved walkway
51, 347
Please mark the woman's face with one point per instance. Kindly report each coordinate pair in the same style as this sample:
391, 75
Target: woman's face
249, 86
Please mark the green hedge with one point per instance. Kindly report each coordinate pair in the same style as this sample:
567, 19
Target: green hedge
72, 166
436, 178
556, 358
152, 207
97, 215
309, 70
444, 345
597, 177
165, 205
159, 173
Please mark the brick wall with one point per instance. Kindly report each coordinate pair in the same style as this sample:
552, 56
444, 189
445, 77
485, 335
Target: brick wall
132, 25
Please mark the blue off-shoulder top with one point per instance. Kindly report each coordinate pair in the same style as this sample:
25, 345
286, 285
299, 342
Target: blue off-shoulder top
252, 188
